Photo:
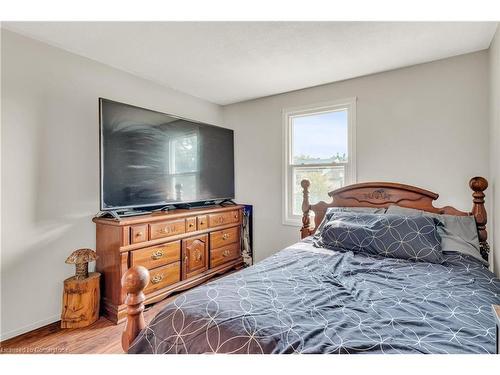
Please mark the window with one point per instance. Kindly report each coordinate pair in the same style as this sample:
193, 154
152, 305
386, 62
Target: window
319, 146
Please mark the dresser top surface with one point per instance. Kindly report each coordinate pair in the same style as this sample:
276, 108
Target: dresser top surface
167, 215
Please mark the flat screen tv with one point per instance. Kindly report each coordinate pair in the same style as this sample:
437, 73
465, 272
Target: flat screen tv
151, 159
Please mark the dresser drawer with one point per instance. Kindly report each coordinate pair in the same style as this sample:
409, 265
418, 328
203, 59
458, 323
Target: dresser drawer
167, 229
223, 218
156, 256
190, 224
224, 237
224, 254
163, 276
202, 222
138, 233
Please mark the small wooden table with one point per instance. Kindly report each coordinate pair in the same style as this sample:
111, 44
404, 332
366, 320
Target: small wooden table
80, 301
496, 313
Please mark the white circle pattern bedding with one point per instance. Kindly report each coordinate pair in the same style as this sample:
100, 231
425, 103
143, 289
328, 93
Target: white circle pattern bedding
309, 300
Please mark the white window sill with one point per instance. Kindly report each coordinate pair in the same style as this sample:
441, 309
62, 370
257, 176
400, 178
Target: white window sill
293, 222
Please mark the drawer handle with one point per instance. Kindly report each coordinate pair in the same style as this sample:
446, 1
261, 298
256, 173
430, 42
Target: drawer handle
191, 225
139, 234
157, 278
235, 216
201, 222
225, 253
157, 255
225, 236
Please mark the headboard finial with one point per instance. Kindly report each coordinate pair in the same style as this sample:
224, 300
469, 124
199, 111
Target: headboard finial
478, 185
306, 223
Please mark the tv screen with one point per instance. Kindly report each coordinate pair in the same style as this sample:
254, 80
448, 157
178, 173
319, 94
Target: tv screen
151, 159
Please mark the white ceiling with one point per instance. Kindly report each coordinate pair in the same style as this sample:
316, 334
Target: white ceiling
228, 62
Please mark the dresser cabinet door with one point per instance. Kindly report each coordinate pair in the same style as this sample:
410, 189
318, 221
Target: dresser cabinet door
195, 256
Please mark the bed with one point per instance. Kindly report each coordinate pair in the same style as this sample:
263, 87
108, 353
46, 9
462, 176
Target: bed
310, 299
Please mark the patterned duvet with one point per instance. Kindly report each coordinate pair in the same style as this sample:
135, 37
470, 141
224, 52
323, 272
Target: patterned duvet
309, 300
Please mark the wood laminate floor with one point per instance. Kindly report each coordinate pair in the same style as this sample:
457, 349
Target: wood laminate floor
101, 337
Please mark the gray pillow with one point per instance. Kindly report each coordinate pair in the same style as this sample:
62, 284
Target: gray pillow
395, 236
458, 233
331, 210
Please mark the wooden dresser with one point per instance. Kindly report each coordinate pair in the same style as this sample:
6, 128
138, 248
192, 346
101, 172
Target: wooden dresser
181, 248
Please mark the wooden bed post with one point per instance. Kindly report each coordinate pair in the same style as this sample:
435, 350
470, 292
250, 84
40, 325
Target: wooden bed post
134, 281
478, 185
306, 221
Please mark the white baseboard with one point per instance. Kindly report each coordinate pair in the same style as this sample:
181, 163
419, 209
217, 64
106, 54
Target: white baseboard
29, 327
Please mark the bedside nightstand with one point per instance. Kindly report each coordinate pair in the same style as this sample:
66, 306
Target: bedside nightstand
496, 313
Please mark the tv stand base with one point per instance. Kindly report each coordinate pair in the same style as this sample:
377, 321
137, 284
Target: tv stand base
119, 214
227, 202
190, 206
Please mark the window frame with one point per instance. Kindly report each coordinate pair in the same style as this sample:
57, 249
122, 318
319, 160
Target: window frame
288, 114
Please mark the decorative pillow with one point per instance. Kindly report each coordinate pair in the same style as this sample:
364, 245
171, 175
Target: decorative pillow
331, 210
406, 237
458, 233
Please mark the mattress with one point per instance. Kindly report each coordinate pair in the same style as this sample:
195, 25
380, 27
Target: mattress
312, 300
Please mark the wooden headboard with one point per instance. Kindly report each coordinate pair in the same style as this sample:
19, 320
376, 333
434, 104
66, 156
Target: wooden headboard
384, 194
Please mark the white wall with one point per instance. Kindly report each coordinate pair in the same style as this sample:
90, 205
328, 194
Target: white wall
494, 54
50, 166
425, 125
